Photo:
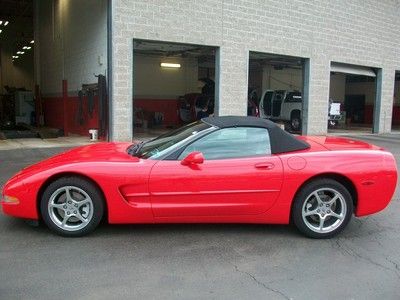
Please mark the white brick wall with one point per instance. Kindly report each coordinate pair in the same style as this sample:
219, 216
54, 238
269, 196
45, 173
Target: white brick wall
362, 32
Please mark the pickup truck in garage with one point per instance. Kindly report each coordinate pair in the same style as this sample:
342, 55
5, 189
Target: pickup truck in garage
286, 106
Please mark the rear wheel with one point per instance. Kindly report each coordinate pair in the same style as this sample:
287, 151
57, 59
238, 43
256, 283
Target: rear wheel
72, 206
322, 208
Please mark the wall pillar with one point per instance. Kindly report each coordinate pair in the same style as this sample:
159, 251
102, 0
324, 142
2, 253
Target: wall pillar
121, 100
233, 81
316, 78
383, 105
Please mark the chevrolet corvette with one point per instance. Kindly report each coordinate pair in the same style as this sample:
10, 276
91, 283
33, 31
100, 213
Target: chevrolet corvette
217, 170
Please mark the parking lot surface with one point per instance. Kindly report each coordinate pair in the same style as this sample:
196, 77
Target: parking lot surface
199, 261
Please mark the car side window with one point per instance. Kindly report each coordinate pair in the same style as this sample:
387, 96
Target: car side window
232, 142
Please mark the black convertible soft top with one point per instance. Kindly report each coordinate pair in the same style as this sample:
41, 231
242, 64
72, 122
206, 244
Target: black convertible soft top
281, 141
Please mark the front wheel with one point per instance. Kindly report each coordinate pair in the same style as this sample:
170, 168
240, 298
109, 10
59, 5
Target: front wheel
72, 206
322, 208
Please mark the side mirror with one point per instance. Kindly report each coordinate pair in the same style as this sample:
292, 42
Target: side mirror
193, 158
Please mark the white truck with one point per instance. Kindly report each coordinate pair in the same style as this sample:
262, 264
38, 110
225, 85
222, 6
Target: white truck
286, 106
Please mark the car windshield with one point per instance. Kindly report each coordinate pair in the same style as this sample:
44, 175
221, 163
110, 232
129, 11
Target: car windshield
156, 147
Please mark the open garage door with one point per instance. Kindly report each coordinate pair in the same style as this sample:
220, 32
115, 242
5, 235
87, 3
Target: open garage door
53, 67
173, 84
17, 109
352, 98
351, 69
276, 88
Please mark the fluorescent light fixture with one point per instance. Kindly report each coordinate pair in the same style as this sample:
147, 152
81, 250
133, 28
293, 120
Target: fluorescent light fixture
32, 41
21, 52
28, 47
5, 23
16, 56
24, 47
170, 65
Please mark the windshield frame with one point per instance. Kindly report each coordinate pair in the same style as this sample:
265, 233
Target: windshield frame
171, 149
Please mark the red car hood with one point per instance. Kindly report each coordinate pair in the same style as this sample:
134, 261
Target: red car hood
90, 153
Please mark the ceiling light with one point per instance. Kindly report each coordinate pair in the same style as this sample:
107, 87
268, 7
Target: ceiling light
24, 47
16, 56
170, 65
32, 41
1, 22
5, 23
21, 52
1, 30
28, 47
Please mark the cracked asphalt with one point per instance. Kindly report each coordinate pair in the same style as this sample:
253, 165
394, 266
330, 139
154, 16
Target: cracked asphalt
200, 261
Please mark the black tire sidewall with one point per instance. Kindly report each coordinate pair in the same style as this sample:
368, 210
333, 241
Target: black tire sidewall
301, 198
89, 188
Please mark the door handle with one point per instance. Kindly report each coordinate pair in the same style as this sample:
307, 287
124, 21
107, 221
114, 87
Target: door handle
265, 166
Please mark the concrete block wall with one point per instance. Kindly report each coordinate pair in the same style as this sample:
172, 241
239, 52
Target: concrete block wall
361, 32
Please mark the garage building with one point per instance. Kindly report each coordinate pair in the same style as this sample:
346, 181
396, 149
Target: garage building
158, 58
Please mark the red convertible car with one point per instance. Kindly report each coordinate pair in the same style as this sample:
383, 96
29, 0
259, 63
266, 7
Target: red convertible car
217, 170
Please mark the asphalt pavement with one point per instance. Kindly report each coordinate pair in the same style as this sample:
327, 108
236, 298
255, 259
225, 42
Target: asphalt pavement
199, 261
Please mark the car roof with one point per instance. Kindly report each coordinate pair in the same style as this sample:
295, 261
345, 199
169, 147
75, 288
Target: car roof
238, 121
280, 140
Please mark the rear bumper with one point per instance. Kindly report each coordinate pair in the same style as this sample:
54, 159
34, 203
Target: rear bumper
375, 194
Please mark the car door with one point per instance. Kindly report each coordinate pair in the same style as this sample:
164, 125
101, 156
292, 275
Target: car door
239, 176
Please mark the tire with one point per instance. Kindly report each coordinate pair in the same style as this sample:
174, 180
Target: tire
309, 211
75, 215
295, 121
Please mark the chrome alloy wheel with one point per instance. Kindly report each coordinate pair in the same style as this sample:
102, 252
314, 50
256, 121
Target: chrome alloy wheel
324, 210
70, 208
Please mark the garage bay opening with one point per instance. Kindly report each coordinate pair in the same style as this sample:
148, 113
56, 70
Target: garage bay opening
351, 98
173, 84
17, 109
53, 69
275, 89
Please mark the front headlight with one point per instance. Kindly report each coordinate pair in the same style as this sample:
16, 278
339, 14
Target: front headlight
10, 200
